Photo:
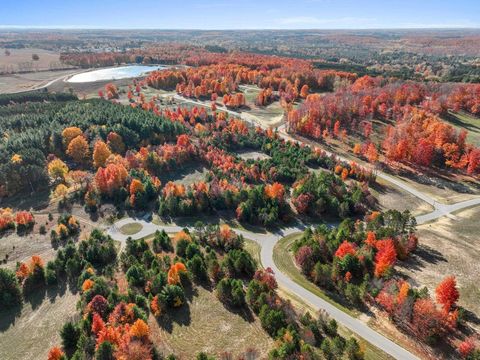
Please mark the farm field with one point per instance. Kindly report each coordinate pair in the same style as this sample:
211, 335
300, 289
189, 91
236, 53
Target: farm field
20, 60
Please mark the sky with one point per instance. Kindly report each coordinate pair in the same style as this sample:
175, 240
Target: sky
240, 14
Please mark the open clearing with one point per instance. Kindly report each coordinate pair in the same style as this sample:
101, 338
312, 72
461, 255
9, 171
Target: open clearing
31, 334
21, 248
185, 175
206, 325
253, 155
390, 196
446, 191
464, 121
449, 247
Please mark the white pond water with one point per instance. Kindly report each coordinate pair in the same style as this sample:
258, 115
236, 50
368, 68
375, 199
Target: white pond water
114, 73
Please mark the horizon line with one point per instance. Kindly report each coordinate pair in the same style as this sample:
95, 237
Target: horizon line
64, 27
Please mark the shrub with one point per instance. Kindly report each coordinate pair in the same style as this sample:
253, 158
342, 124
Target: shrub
197, 267
230, 291
10, 294
162, 242
70, 335
172, 296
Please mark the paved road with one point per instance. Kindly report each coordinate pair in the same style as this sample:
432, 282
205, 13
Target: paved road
49, 83
267, 242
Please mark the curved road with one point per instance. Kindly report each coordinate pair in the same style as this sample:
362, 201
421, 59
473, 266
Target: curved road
267, 242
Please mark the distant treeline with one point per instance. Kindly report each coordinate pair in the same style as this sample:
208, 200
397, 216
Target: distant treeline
34, 96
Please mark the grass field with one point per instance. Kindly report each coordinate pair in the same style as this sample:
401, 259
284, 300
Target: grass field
449, 247
390, 196
206, 325
254, 155
130, 229
35, 329
254, 250
462, 120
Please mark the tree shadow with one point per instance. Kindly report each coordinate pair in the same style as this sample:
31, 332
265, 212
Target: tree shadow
381, 189
180, 316
453, 119
417, 261
190, 291
9, 316
244, 312
470, 317
23, 231
58, 290
36, 296
430, 255
37, 201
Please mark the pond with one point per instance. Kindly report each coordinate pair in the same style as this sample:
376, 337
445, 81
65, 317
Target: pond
114, 73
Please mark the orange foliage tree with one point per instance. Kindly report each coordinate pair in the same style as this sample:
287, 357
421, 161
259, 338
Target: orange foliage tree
275, 191
111, 178
70, 133
78, 149
447, 293
173, 276
55, 353
346, 248
139, 329
385, 257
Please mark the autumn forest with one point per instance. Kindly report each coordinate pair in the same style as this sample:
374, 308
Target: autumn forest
240, 198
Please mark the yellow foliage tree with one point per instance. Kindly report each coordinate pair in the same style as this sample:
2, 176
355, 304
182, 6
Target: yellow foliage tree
16, 159
57, 169
101, 153
61, 190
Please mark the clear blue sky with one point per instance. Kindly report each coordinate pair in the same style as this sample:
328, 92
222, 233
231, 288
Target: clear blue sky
240, 14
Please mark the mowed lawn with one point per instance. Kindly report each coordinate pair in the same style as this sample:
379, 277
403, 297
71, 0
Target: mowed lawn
29, 333
204, 324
